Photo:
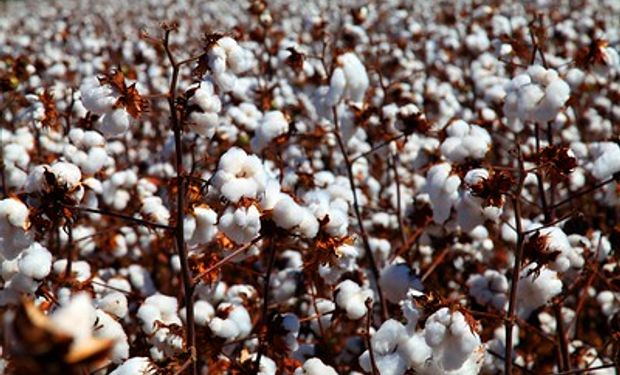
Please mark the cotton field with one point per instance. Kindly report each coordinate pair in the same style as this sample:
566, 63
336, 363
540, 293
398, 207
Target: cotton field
309, 187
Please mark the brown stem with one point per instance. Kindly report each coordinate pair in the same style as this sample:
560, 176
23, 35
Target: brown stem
265, 309
512, 304
358, 214
119, 216
226, 259
188, 288
69, 267
562, 342
399, 209
373, 363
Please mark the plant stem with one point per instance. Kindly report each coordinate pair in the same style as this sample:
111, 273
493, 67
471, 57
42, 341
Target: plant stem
516, 269
368, 252
265, 309
188, 288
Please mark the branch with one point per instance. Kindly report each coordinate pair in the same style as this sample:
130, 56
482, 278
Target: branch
188, 288
368, 252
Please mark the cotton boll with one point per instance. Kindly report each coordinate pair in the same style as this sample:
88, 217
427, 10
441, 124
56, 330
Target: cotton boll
452, 339
241, 225
206, 225
314, 366
555, 240
536, 288
236, 325
271, 125
465, 141
77, 318
203, 313
108, 328
114, 122
289, 215
352, 299
79, 269
337, 87
14, 224
396, 280
239, 175
35, 261
606, 160
442, 189
204, 119
136, 365
490, 288
96, 98
153, 209
356, 77
114, 303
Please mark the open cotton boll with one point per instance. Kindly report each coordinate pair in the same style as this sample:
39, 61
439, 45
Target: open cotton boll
206, 225
536, 95
108, 328
236, 324
536, 288
442, 189
452, 339
239, 175
226, 60
606, 159
355, 75
270, 126
154, 209
490, 288
95, 97
337, 87
609, 302
136, 365
79, 269
464, 142
114, 303
289, 215
396, 280
241, 225
14, 224
35, 261
555, 240
203, 313
205, 106
266, 366
77, 318
314, 366
114, 122
384, 344
351, 298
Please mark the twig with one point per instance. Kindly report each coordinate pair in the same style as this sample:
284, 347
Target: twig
399, 210
368, 252
188, 286
226, 259
512, 304
271, 248
119, 216
373, 362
